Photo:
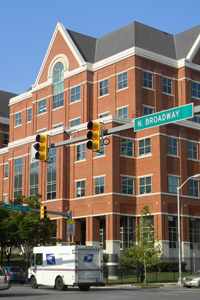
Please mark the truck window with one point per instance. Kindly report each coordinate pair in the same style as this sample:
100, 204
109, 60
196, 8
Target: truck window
39, 259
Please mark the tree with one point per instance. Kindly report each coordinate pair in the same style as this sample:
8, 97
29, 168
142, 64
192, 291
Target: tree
32, 231
24, 230
147, 250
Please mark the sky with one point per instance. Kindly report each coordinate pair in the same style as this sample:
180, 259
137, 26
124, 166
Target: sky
27, 26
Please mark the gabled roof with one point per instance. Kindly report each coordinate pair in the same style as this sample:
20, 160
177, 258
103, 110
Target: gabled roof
132, 38
4, 103
135, 35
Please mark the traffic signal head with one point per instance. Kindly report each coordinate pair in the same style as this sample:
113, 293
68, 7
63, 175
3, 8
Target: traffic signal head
94, 135
41, 147
43, 212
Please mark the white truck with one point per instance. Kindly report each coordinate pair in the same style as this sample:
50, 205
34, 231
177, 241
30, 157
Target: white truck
63, 266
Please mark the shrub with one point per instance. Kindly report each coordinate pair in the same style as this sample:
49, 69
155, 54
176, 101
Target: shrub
128, 263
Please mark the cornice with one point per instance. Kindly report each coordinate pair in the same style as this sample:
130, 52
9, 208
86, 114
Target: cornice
4, 120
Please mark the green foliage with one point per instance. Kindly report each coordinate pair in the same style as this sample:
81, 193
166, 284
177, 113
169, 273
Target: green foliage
23, 229
145, 250
170, 266
105, 257
128, 263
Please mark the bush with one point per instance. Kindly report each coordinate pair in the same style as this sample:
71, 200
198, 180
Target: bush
170, 266
128, 263
105, 257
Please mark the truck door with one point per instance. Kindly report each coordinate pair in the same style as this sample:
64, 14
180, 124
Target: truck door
88, 269
38, 268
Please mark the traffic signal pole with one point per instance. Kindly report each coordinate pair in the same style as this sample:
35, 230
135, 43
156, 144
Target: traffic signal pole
84, 137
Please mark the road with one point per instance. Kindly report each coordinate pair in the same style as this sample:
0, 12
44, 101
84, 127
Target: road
20, 292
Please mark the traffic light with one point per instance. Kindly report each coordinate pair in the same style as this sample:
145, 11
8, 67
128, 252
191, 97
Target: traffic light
43, 212
94, 135
41, 147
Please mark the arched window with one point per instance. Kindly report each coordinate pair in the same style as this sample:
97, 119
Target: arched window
58, 85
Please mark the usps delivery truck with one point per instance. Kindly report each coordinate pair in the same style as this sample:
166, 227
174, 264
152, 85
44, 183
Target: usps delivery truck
63, 266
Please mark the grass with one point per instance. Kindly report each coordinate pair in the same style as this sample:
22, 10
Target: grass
129, 276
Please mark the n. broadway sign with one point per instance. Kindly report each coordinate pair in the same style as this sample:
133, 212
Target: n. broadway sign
164, 117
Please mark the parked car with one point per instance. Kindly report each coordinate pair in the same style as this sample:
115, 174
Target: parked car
16, 274
4, 279
192, 280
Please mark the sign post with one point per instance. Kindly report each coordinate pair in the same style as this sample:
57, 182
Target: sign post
164, 117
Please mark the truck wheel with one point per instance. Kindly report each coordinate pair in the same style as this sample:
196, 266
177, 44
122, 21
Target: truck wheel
59, 284
84, 287
34, 282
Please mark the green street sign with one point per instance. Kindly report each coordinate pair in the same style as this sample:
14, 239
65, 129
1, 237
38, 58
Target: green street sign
164, 117
16, 207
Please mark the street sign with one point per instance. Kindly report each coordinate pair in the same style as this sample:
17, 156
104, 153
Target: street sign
16, 207
33, 152
164, 117
70, 227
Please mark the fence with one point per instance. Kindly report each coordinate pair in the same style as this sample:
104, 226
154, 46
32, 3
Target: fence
135, 275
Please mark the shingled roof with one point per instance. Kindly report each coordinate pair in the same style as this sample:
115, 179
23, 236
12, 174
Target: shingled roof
135, 35
4, 103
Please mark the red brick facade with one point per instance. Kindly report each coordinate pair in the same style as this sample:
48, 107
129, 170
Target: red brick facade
100, 215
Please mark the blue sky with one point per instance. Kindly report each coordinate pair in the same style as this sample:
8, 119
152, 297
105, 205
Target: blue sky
26, 28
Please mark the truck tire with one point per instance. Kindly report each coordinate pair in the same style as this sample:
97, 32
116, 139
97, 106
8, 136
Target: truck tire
34, 282
84, 287
59, 284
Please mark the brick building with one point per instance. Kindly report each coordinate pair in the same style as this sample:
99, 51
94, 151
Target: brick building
136, 70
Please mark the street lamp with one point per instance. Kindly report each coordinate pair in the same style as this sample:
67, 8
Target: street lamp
179, 224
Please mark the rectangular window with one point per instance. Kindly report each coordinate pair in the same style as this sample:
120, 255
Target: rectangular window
193, 188
18, 177
172, 146
126, 232
5, 199
127, 185
80, 189
192, 150
145, 147
123, 112
39, 259
147, 80
173, 231
5, 138
34, 178
194, 225
51, 176
102, 233
99, 185
167, 85
80, 152
29, 114
147, 110
103, 88
75, 122
126, 147
145, 185
103, 115
195, 89
196, 119
42, 106
75, 94
173, 182
18, 119
122, 81
6, 171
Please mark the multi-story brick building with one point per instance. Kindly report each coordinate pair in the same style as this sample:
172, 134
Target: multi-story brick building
133, 71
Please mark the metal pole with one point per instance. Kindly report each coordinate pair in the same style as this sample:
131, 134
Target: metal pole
179, 236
